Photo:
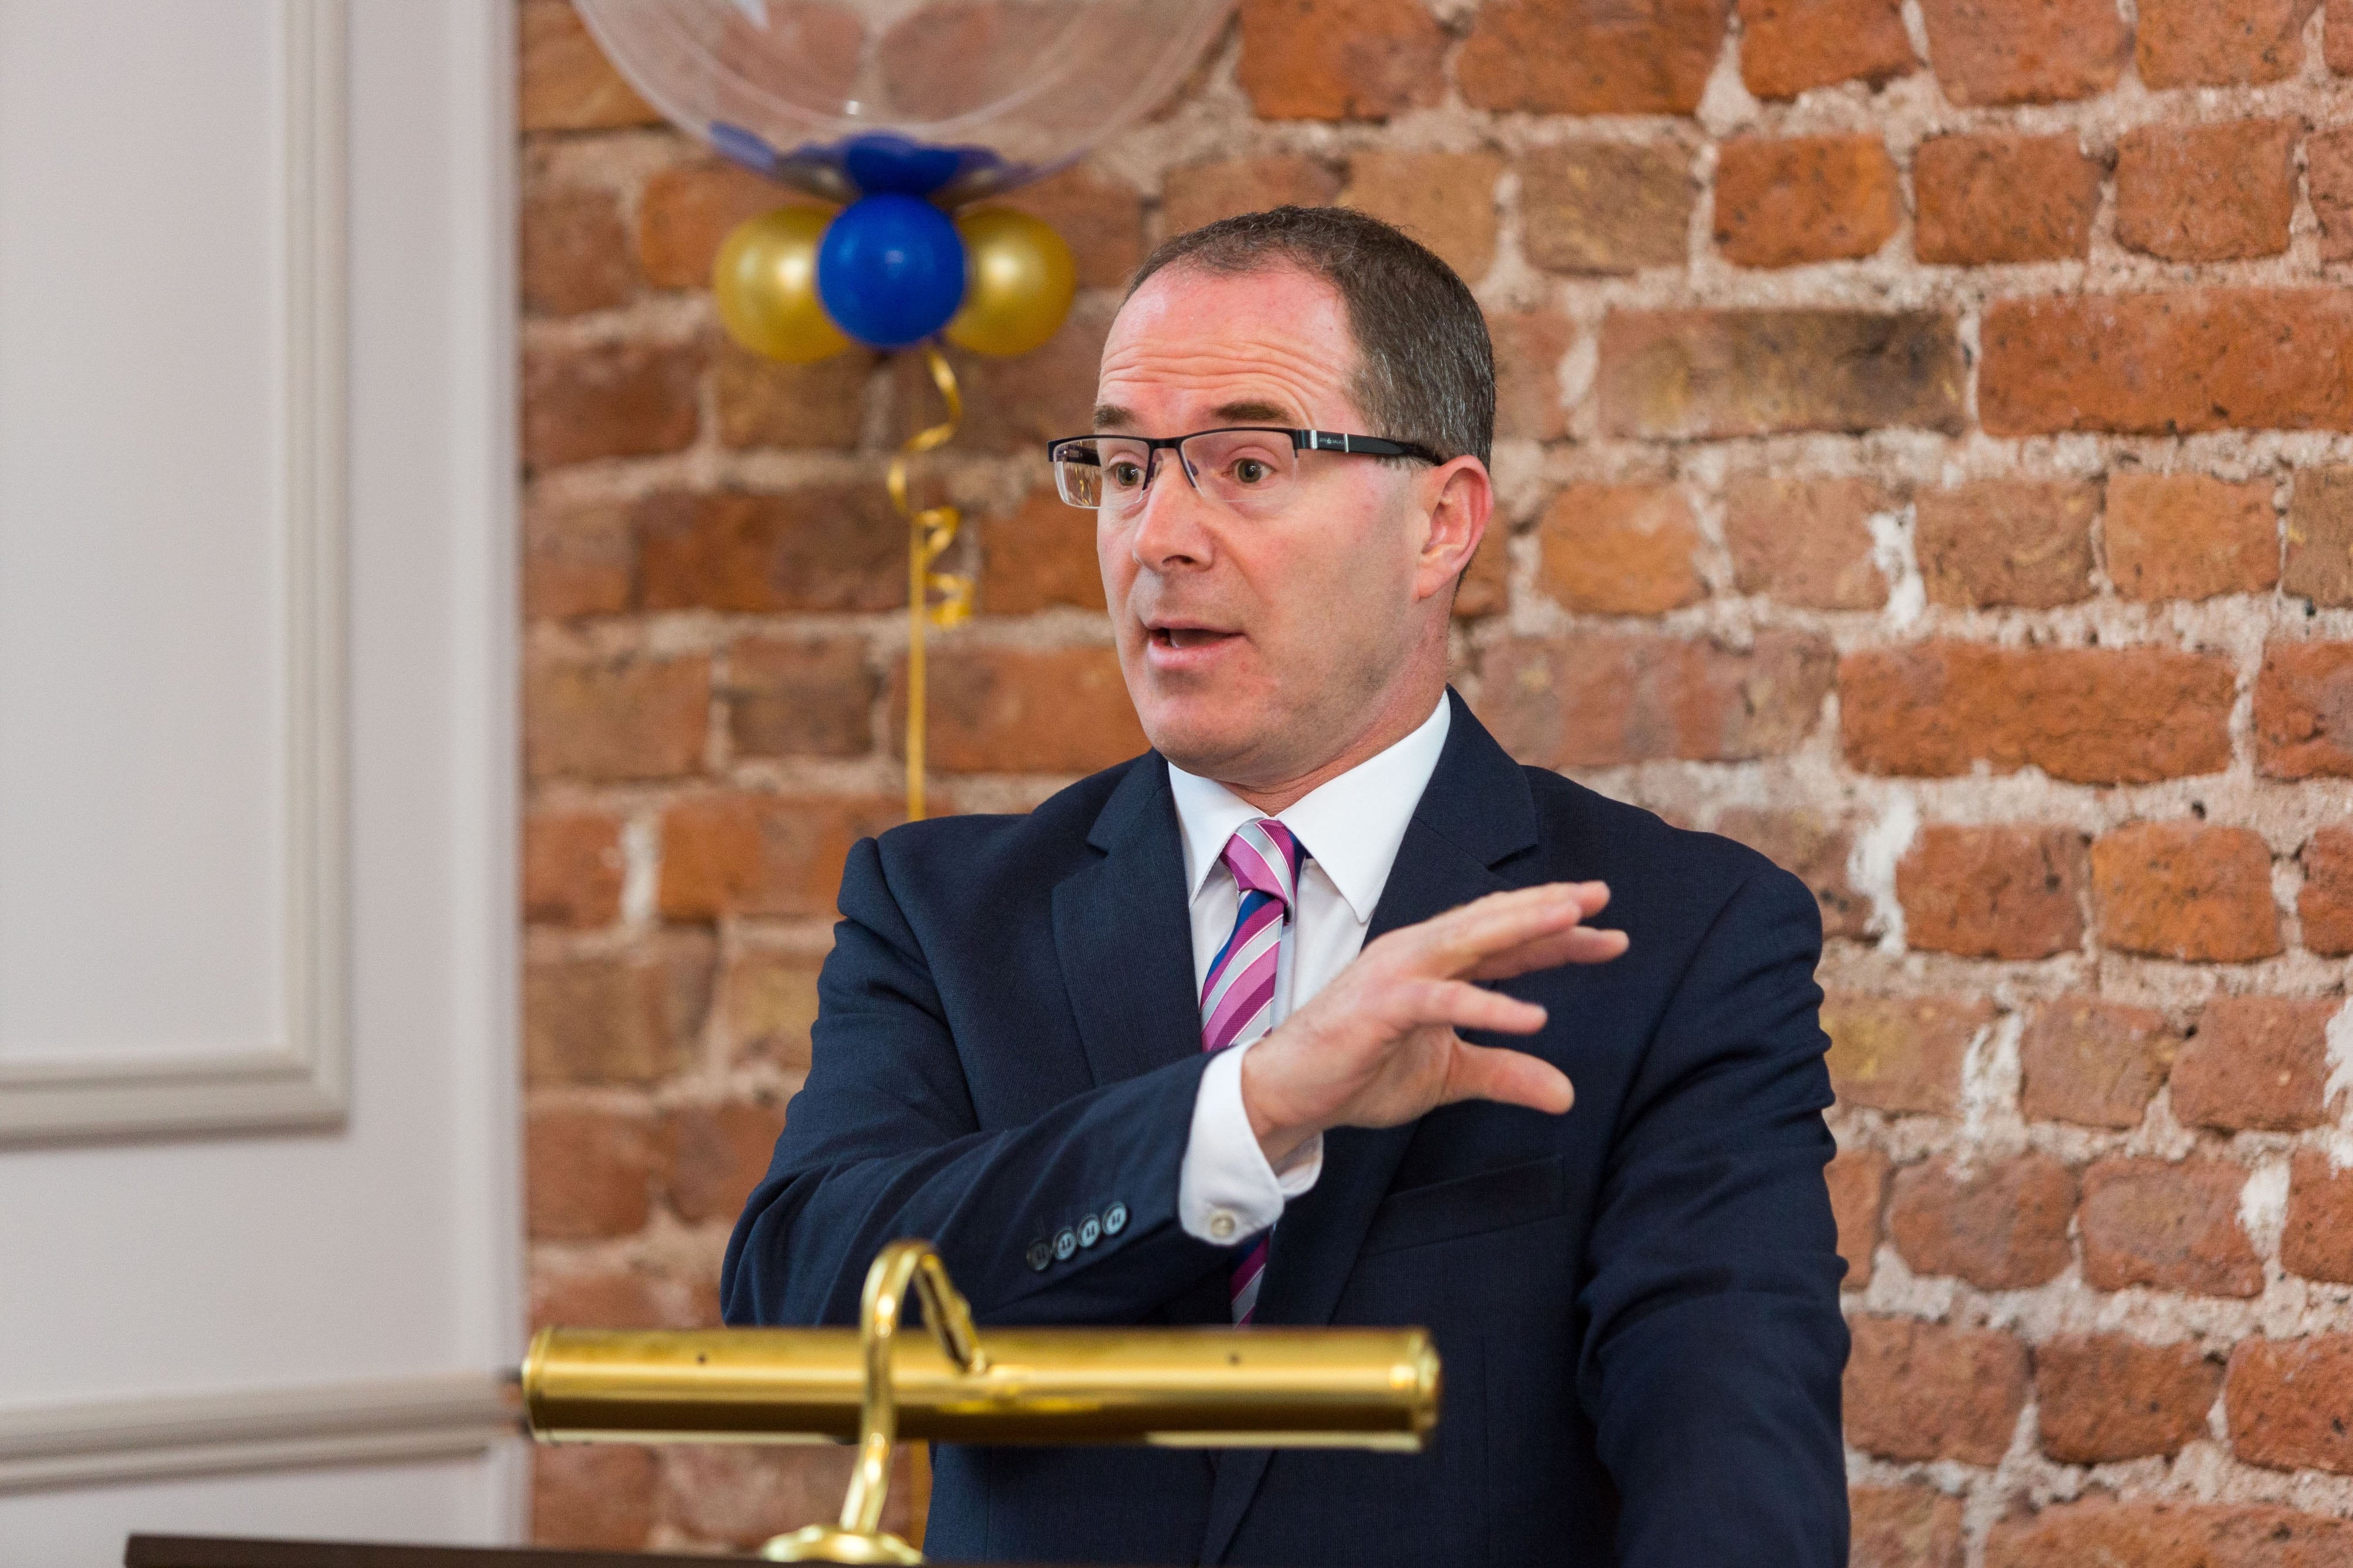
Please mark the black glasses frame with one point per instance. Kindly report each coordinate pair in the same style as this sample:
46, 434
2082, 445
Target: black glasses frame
1300, 441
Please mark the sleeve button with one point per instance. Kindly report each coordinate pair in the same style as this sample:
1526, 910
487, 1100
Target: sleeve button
1041, 1253
1221, 1225
1090, 1231
1114, 1219
1066, 1242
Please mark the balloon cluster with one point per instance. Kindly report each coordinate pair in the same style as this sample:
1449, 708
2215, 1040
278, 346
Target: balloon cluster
890, 270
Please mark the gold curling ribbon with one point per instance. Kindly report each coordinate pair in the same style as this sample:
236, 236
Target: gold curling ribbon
930, 530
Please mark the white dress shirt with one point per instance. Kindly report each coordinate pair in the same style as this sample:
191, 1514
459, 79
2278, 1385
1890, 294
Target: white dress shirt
1351, 828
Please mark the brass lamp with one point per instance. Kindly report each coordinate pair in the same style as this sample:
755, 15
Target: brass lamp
1261, 1388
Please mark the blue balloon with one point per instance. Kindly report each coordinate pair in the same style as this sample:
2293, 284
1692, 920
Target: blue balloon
882, 162
891, 270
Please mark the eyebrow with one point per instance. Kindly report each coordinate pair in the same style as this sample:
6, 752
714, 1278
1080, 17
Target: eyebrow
1111, 416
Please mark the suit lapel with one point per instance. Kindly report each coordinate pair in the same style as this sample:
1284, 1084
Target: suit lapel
1125, 938
1476, 813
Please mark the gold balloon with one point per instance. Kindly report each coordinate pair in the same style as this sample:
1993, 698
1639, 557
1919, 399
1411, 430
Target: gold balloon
1019, 280
765, 283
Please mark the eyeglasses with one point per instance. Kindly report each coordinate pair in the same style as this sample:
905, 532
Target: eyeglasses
1251, 469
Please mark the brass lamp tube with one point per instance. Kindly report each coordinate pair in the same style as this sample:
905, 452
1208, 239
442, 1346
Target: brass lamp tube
1356, 1388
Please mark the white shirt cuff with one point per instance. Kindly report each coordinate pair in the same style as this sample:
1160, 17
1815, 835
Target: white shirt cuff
1226, 1191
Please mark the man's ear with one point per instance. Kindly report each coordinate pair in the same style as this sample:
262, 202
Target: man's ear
1462, 499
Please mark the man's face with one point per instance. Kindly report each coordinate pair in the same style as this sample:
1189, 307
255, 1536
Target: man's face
1258, 648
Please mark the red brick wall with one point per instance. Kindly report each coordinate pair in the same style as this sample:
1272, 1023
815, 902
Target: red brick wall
1926, 448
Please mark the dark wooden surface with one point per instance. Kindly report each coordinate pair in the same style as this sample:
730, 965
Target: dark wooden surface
225, 1552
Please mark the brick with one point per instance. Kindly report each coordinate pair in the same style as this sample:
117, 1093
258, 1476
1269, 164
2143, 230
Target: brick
2319, 564
684, 213
591, 1496
616, 1300
951, 60
2168, 1226
578, 559
1902, 1054
712, 1155
2094, 1063
2007, 542
1993, 892
2000, 1226
1858, 1183
2316, 1242
1043, 555
1098, 216
763, 402
1785, 201
2336, 38
1607, 207
624, 399
589, 1173
1619, 550
1813, 850
1789, 46
2185, 890
825, 548
2170, 363
1529, 348
2085, 715
1485, 587
1806, 541
1024, 711
1340, 60
1903, 1527
575, 254
739, 1495
800, 697
2102, 1398
2219, 43
744, 854
2259, 1062
2324, 904
1988, 200
2329, 173
2207, 192
1923, 1390
1712, 374
628, 1017
771, 1005
616, 719
1591, 56
2287, 1401
564, 83
1446, 200
2025, 51
2304, 710
2101, 1530
2190, 536
1016, 404
1602, 699
572, 868
1201, 193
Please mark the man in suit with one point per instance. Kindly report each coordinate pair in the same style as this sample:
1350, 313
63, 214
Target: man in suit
1277, 1023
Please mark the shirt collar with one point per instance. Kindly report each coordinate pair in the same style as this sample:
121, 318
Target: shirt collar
1351, 824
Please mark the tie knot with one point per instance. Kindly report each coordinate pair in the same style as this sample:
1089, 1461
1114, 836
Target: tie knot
1264, 857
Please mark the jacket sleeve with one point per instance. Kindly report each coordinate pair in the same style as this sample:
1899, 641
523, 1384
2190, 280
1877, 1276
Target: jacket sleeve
1714, 1344
882, 1143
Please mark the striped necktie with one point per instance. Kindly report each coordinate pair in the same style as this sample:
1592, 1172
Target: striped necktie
1238, 997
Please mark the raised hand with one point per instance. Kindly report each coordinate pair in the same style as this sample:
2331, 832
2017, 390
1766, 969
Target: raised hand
1377, 1046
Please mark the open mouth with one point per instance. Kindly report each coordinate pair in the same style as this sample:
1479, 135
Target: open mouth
1181, 638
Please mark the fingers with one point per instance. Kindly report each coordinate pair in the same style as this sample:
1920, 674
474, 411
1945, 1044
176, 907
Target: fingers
1579, 944
1508, 1078
1453, 943
1459, 1004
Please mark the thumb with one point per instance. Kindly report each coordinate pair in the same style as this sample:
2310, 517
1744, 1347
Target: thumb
1506, 1077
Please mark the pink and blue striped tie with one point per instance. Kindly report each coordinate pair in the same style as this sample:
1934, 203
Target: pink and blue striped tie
1238, 997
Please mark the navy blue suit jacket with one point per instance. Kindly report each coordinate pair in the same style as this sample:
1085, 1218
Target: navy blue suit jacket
1636, 1303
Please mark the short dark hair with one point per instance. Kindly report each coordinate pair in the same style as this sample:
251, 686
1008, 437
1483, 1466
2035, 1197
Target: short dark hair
1428, 371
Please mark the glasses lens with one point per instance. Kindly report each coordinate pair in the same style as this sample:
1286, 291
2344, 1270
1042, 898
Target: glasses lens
1104, 471
1249, 470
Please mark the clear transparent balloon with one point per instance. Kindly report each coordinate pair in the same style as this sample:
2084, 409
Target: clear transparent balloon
953, 100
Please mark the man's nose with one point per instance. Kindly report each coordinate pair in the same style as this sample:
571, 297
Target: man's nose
1174, 528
